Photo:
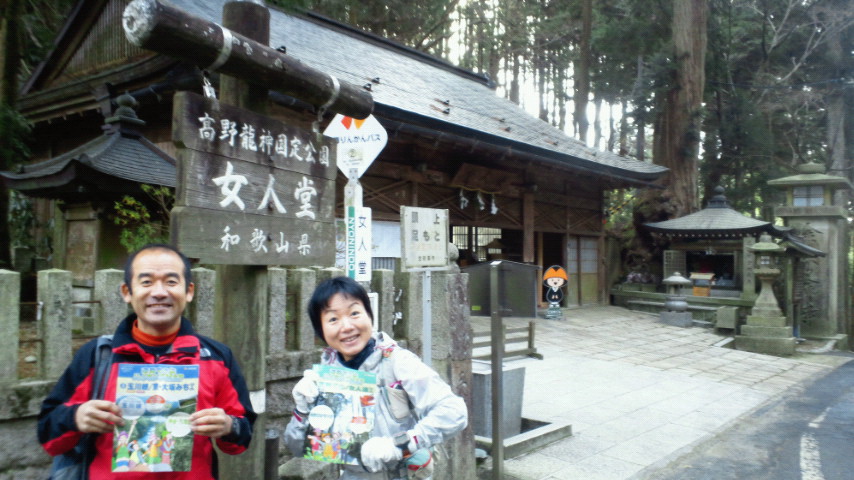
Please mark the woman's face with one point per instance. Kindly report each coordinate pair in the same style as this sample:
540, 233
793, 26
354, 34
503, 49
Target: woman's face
347, 327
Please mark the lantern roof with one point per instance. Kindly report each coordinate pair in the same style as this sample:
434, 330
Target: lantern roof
810, 174
766, 245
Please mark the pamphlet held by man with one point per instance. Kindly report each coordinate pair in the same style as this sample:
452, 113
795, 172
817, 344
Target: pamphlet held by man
156, 403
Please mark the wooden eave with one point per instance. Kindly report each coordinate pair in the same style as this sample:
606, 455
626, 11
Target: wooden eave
83, 15
78, 96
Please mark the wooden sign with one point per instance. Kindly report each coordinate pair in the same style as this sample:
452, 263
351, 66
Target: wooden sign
251, 190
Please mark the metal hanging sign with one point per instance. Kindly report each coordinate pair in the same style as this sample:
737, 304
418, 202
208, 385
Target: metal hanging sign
359, 142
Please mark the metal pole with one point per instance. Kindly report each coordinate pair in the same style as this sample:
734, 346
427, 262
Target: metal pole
427, 323
271, 454
497, 330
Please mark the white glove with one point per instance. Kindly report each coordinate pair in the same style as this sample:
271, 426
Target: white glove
379, 450
305, 391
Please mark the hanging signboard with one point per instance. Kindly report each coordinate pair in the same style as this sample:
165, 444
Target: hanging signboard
358, 251
359, 142
423, 237
251, 190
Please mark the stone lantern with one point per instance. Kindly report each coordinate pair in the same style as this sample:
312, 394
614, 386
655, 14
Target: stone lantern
766, 253
676, 306
813, 209
767, 329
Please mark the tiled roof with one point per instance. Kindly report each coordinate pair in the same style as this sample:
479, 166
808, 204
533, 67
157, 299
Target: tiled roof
716, 220
117, 153
424, 88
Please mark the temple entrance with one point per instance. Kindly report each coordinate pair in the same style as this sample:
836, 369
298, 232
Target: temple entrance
582, 255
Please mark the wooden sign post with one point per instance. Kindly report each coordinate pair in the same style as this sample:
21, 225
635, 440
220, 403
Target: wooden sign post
251, 191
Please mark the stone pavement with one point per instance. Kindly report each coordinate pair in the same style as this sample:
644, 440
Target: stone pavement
638, 393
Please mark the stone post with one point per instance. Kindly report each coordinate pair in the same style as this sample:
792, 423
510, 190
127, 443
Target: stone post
201, 310
10, 324
748, 285
54, 295
300, 286
409, 321
277, 310
324, 274
382, 282
451, 355
108, 294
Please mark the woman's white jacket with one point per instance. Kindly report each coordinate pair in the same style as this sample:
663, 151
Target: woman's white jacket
435, 413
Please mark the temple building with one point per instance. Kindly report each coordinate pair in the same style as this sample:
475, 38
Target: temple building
514, 186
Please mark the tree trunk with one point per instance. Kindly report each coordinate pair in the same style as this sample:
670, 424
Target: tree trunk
582, 70
624, 128
640, 112
597, 123
676, 137
677, 128
836, 114
10, 63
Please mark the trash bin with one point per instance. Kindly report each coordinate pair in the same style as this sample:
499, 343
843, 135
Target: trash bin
518, 288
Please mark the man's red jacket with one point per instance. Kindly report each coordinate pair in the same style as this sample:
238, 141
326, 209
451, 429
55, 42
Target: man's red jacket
221, 384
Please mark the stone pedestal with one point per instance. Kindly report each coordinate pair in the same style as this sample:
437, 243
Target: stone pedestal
768, 335
554, 312
514, 384
767, 330
677, 319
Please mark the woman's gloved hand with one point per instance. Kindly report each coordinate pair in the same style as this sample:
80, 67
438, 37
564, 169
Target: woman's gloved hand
377, 451
305, 391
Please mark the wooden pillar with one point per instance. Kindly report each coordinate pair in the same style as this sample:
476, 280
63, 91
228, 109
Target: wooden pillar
241, 313
528, 227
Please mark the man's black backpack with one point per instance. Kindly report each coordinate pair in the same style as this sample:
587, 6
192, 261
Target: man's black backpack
74, 464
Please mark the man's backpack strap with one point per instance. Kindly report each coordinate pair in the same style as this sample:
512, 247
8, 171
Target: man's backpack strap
103, 364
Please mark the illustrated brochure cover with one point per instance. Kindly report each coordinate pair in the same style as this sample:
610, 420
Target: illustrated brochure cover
156, 403
343, 416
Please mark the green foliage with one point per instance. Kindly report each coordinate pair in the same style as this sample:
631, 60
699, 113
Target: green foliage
22, 221
420, 25
14, 135
141, 227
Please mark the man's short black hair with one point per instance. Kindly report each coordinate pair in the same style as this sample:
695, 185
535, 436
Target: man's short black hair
188, 274
327, 289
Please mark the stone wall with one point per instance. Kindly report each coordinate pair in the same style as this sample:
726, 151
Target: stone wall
292, 347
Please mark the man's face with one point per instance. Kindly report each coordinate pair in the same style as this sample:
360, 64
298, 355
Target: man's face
158, 291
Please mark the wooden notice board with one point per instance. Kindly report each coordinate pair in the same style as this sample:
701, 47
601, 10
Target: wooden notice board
251, 190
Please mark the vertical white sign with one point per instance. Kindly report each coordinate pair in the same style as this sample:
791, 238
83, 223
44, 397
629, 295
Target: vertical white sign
358, 250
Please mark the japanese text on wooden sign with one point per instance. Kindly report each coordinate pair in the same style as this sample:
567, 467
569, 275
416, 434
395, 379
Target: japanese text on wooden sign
423, 237
251, 190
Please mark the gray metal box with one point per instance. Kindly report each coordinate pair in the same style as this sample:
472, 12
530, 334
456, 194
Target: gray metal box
518, 288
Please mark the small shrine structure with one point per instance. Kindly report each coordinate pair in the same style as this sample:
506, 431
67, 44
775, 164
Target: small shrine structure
713, 248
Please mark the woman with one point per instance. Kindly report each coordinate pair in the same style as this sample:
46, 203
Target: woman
414, 408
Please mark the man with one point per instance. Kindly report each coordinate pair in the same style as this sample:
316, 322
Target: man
157, 285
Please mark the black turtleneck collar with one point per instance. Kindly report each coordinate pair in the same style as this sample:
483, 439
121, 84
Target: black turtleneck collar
359, 359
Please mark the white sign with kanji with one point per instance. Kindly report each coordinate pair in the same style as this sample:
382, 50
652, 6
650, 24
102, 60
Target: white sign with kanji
358, 250
359, 142
423, 237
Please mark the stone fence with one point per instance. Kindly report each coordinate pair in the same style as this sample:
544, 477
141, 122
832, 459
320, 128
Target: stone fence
291, 347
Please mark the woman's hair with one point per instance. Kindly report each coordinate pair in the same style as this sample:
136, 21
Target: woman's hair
347, 287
